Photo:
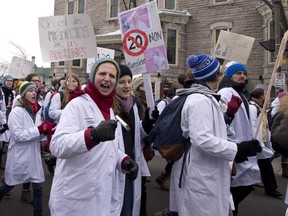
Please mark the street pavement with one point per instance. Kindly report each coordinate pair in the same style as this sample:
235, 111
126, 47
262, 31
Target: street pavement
257, 203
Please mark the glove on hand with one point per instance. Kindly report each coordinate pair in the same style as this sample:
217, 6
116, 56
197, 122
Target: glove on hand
131, 168
5, 127
248, 148
233, 105
104, 131
46, 127
148, 123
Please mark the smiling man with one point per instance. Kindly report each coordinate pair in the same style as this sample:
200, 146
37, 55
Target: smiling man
239, 130
86, 145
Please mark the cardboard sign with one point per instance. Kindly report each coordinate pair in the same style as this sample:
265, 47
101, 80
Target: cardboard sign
233, 47
102, 53
20, 68
142, 39
67, 37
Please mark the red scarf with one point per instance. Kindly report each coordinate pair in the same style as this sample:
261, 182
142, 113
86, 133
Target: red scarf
103, 102
34, 106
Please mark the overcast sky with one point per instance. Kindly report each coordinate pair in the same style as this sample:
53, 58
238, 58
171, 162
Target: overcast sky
19, 24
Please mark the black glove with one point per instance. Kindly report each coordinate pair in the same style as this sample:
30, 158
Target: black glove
131, 168
104, 131
148, 123
5, 127
247, 149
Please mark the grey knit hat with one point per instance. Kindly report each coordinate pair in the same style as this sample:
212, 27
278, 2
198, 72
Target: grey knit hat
100, 61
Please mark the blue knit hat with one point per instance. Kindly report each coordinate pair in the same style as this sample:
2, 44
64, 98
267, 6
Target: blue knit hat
203, 66
233, 68
100, 61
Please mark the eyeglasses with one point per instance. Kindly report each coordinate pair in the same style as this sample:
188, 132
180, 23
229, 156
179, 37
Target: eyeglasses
36, 81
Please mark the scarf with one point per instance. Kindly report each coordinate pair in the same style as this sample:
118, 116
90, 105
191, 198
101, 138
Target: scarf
126, 104
103, 102
75, 93
34, 106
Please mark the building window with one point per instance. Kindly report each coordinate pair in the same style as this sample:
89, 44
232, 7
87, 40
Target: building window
70, 9
76, 6
172, 46
61, 63
170, 4
81, 6
76, 63
113, 8
220, 1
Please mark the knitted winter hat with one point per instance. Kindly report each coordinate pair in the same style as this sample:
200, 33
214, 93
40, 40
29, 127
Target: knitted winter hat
125, 70
234, 67
25, 87
100, 61
7, 77
282, 94
136, 83
203, 66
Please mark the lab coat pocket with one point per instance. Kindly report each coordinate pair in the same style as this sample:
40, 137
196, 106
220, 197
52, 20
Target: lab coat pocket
201, 180
79, 184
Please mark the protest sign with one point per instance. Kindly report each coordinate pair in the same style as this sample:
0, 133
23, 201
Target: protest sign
102, 53
67, 37
142, 39
233, 47
20, 68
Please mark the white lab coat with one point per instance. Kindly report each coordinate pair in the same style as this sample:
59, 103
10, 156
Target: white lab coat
4, 136
247, 172
83, 179
119, 185
266, 146
205, 187
24, 163
55, 107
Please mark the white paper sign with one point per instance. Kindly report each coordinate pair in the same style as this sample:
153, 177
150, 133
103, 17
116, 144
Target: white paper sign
142, 39
233, 47
20, 68
102, 53
67, 37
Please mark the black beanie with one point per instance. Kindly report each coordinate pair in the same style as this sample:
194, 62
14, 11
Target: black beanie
125, 71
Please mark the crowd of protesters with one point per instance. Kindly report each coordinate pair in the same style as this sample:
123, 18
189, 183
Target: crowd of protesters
97, 139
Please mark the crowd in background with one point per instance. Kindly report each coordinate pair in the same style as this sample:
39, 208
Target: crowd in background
100, 164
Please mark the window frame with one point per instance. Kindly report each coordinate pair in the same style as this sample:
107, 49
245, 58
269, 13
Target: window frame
109, 9
169, 8
77, 66
176, 45
213, 2
76, 6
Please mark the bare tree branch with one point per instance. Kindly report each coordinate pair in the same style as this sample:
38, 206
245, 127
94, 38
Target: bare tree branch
20, 50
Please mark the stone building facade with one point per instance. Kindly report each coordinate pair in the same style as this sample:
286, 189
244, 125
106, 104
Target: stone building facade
189, 27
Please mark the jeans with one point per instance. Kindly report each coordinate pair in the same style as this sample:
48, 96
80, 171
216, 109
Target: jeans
37, 195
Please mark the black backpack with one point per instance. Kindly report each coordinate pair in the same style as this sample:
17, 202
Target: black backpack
166, 134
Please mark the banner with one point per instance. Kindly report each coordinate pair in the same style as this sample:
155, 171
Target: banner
142, 39
67, 37
20, 68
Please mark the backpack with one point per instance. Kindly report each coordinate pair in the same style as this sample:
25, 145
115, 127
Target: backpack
46, 109
166, 134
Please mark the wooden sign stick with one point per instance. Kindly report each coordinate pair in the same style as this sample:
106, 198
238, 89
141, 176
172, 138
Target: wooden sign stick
276, 66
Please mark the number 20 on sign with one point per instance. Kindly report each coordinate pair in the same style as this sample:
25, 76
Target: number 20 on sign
135, 42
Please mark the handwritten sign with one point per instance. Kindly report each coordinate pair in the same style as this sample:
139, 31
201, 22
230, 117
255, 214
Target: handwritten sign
232, 46
102, 53
142, 39
20, 68
67, 37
